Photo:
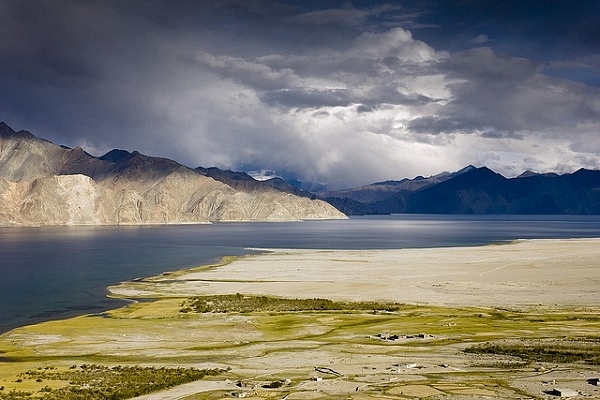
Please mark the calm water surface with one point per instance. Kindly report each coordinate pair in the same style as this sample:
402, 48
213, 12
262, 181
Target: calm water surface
57, 272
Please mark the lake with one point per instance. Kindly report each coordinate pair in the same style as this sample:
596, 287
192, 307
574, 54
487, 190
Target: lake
58, 272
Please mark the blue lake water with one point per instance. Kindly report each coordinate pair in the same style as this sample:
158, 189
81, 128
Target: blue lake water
57, 272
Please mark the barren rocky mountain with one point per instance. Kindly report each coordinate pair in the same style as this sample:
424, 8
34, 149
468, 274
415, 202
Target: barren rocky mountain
45, 184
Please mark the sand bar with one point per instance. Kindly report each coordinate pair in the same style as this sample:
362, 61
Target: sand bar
522, 273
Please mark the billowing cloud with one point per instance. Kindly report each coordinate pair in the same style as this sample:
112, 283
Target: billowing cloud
343, 95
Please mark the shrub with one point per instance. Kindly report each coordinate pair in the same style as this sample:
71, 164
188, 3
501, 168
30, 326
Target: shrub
245, 304
561, 351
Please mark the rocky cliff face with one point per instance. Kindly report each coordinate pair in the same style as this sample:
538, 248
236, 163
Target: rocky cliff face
44, 184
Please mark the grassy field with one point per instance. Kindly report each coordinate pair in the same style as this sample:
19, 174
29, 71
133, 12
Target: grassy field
312, 348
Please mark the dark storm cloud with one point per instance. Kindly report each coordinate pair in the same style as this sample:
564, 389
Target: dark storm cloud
369, 72
448, 125
68, 69
507, 96
340, 92
307, 98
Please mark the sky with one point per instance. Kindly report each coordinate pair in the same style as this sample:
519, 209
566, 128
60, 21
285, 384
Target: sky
342, 93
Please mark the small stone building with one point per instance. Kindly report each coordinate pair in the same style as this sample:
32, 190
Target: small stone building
562, 392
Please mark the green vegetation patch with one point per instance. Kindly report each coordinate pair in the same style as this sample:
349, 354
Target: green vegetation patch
246, 304
556, 351
102, 382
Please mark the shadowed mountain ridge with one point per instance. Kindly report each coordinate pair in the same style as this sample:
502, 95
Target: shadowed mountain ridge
477, 191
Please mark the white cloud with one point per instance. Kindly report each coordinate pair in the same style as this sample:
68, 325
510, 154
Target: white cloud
387, 107
396, 42
337, 118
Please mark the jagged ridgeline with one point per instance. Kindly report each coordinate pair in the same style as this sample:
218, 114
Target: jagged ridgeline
42, 183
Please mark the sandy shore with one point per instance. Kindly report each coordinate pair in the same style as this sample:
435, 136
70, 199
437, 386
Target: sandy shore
523, 273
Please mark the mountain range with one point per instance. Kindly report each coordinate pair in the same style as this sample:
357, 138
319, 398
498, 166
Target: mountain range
475, 191
42, 183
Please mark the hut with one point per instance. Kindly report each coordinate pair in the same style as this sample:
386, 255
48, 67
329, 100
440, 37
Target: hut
562, 392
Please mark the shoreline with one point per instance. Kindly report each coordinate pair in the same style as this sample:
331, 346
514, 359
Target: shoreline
140, 289
523, 273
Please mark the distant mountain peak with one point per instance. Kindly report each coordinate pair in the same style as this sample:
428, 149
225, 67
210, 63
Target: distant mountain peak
116, 155
385, 183
527, 174
482, 172
466, 169
7, 131
531, 174
5, 128
78, 149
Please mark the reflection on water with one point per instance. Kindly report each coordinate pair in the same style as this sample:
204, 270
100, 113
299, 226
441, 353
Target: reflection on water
52, 272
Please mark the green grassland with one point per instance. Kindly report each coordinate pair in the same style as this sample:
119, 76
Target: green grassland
240, 337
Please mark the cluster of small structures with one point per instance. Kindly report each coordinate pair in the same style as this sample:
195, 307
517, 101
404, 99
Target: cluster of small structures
266, 389
394, 337
566, 392
248, 388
